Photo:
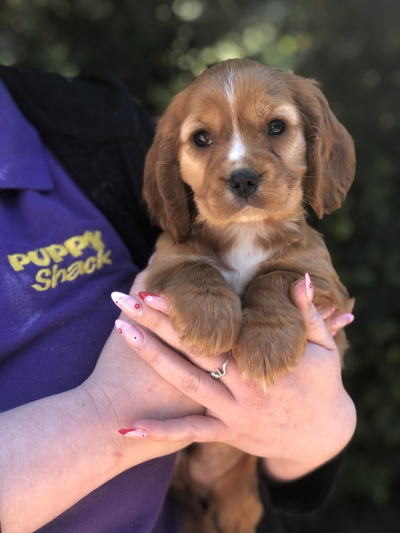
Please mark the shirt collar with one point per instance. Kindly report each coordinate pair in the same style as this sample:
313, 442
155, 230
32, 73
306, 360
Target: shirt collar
22, 154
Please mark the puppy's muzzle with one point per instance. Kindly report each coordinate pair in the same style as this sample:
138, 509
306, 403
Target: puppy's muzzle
244, 182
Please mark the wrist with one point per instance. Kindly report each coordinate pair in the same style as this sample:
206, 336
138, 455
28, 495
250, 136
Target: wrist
123, 389
316, 445
100, 424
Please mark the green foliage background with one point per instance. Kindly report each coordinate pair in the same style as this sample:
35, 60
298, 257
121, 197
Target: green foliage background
353, 48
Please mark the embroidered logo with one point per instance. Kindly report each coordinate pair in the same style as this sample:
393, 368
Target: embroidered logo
51, 260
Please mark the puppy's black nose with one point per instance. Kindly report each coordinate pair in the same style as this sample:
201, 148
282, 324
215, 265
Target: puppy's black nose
244, 182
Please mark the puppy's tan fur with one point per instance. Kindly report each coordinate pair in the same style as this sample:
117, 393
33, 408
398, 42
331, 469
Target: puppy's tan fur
226, 263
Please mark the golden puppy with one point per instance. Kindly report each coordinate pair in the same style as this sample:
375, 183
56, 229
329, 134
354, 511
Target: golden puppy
236, 158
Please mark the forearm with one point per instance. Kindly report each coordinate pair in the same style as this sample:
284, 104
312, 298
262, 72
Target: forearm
55, 451
47, 467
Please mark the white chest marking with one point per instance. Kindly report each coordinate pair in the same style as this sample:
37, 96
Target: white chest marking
243, 258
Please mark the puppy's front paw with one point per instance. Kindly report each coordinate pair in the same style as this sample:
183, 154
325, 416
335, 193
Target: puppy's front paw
269, 346
207, 321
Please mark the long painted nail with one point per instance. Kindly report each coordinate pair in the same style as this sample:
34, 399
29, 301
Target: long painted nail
155, 301
133, 334
343, 320
127, 303
309, 288
147, 296
133, 432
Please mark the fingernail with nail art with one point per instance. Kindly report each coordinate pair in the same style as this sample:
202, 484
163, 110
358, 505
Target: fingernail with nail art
127, 303
155, 301
133, 334
309, 288
133, 432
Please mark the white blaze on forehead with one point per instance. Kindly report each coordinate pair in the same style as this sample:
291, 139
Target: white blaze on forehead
229, 87
238, 147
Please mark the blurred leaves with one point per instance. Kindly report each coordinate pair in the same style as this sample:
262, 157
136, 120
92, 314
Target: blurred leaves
353, 49
169, 43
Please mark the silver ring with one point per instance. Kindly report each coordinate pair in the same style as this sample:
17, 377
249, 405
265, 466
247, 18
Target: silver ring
221, 371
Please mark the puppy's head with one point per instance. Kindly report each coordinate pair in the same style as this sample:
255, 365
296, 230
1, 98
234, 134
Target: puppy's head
248, 143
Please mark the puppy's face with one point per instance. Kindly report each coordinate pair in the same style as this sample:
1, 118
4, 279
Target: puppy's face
242, 148
253, 143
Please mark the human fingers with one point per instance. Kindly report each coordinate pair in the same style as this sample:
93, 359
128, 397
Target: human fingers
325, 311
195, 428
302, 294
155, 320
335, 323
155, 301
152, 300
151, 310
188, 378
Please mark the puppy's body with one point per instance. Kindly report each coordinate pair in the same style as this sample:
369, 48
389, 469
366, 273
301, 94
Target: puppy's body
237, 156
258, 262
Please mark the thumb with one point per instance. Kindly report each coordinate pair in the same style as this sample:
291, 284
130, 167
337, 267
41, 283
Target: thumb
302, 294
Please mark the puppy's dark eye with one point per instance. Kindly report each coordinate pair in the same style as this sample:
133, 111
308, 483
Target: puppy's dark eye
202, 138
276, 127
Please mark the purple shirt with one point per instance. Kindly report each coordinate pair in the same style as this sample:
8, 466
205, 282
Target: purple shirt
53, 242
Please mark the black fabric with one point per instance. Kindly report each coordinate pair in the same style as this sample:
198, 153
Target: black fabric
100, 135
284, 501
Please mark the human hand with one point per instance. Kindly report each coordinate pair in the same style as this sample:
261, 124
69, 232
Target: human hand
298, 423
334, 321
124, 387
58, 449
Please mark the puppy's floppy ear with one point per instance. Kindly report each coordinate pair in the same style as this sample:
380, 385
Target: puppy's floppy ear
331, 155
163, 188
